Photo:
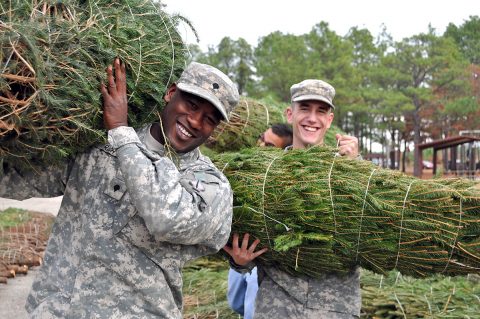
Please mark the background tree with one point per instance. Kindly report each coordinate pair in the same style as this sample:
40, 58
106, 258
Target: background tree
330, 58
234, 58
393, 93
425, 63
280, 61
360, 117
467, 38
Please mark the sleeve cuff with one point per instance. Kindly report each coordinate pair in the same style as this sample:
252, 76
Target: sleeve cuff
241, 269
122, 135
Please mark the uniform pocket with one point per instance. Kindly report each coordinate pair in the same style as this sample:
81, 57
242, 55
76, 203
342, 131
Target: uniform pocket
116, 190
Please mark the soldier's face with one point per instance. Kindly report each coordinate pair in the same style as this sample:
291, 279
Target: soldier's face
310, 121
187, 119
268, 138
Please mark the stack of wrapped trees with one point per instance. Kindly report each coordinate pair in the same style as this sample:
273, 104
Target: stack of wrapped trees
248, 120
394, 296
23, 240
53, 55
318, 212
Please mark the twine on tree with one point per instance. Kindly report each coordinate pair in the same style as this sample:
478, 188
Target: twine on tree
139, 69
266, 111
248, 117
400, 304
169, 151
361, 215
265, 215
401, 223
225, 166
330, 188
296, 259
455, 238
173, 51
263, 199
11, 54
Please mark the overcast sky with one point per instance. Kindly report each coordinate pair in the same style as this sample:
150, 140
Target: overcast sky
251, 19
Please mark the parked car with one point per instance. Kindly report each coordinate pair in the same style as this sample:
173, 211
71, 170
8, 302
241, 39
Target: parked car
427, 165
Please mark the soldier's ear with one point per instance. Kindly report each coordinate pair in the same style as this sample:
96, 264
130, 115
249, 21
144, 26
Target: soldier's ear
170, 91
289, 114
330, 119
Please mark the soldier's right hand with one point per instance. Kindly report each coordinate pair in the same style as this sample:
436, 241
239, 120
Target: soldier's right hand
243, 254
115, 105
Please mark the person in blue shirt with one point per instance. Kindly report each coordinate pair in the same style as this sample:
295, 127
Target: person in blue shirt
242, 291
243, 287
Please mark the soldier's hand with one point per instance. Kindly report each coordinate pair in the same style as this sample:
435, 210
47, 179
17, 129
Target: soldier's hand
115, 105
347, 145
244, 253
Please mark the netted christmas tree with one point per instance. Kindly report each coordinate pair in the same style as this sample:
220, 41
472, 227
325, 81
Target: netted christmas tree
53, 57
319, 212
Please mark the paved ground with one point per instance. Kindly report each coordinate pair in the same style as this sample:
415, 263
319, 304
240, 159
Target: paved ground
14, 294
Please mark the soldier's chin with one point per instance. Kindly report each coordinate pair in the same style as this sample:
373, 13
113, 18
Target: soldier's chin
311, 142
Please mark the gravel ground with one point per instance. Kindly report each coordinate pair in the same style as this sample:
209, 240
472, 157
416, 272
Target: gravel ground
14, 294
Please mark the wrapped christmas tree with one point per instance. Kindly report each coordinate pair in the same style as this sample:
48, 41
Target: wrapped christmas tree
53, 57
319, 212
248, 120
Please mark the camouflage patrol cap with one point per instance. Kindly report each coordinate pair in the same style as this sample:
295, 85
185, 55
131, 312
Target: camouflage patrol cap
211, 84
313, 90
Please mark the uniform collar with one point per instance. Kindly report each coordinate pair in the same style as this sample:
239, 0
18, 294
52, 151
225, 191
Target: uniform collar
155, 146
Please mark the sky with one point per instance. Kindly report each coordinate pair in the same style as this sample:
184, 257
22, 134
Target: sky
252, 19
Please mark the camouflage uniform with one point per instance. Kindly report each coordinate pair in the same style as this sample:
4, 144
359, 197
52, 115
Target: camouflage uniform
281, 295
332, 296
128, 222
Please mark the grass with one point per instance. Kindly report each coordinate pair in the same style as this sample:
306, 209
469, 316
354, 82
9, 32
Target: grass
390, 296
13, 217
205, 290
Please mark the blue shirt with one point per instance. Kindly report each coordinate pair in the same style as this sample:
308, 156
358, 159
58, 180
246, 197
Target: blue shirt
241, 293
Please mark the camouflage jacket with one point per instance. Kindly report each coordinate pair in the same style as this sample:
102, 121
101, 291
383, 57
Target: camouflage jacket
128, 222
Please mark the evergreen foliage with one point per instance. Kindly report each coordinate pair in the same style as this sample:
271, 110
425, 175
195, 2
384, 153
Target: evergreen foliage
395, 296
53, 57
390, 296
248, 120
318, 212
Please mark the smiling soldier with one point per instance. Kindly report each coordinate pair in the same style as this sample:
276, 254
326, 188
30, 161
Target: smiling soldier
130, 216
281, 294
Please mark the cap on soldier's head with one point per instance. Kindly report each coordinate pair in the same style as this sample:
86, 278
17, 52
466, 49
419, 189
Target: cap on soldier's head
313, 90
211, 84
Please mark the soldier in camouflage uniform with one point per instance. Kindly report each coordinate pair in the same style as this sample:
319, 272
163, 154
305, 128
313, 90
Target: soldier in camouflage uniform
282, 295
130, 216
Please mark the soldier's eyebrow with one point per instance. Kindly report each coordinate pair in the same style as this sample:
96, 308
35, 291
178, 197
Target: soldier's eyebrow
190, 96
